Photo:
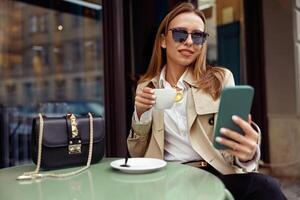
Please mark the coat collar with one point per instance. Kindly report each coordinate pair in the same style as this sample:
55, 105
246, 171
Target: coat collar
203, 102
190, 79
187, 78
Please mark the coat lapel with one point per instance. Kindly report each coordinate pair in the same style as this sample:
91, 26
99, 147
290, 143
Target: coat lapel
191, 112
204, 103
199, 102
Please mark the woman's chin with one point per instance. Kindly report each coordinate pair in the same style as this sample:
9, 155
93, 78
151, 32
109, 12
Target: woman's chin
185, 62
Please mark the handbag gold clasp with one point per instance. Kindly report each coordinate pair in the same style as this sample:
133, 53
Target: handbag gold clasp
74, 148
74, 126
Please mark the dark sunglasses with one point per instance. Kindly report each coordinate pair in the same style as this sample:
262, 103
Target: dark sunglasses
180, 35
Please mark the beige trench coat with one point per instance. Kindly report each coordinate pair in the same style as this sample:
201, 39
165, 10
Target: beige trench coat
147, 140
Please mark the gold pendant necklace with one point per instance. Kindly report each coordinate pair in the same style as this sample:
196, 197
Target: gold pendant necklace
179, 95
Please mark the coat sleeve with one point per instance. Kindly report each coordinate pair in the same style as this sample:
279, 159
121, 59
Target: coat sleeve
139, 135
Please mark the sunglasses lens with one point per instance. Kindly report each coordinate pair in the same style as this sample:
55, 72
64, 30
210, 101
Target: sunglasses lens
179, 35
198, 38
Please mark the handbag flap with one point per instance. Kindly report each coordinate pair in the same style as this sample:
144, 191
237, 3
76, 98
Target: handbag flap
56, 135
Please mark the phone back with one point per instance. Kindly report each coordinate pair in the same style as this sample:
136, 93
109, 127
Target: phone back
236, 100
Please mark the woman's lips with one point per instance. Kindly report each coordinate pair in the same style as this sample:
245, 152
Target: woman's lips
186, 52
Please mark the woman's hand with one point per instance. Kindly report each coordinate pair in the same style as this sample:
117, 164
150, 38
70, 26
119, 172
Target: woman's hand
242, 146
144, 100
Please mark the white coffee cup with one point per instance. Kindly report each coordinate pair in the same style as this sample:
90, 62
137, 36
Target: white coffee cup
165, 98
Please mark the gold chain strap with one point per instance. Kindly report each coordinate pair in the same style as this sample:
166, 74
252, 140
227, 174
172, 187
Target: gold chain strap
35, 174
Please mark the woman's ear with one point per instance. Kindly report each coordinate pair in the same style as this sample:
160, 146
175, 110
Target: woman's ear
163, 41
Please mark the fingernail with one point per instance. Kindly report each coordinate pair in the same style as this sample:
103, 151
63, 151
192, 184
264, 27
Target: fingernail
153, 102
222, 130
234, 117
153, 96
218, 139
152, 91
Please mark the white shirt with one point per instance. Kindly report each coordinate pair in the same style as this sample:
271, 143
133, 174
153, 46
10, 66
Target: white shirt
177, 144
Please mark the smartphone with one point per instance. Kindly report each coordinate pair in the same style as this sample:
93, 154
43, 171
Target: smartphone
235, 100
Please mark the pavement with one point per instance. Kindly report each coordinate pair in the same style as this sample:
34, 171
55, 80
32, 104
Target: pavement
290, 187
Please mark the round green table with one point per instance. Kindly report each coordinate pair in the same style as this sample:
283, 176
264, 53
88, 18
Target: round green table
101, 182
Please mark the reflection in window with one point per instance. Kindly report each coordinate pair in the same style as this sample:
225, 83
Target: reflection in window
45, 93
40, 59
11, 93
38, 23
97, 88
28, 93
59, 19
60, 89
47, 55
76, 47
43, 23
99, 49
76, 21
90, 53
58, 55
79, 92
33, 24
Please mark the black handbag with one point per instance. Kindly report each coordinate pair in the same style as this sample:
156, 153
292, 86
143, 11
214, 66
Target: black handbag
65, 142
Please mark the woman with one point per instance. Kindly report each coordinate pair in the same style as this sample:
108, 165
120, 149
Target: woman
184, 132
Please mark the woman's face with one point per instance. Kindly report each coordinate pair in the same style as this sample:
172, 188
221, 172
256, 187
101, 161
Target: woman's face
183, 53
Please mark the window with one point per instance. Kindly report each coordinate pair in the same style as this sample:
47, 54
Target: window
38, 23
28, 93
58, 55
11, 92
45, 93
79, 92
60, 90
90, 53
43, 23
33, 24
97, 89
42, 58
77, 55
76, 21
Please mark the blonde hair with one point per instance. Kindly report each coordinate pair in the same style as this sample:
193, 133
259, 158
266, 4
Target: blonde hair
208, 78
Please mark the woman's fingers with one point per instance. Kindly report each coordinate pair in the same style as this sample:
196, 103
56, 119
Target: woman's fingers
238, 138
148, 90
246, 127
142, 106
249, 119
145, 101
243, 153
242, 146
145, 95
234, 145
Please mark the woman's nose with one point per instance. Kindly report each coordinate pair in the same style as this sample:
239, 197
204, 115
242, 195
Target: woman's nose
189, 40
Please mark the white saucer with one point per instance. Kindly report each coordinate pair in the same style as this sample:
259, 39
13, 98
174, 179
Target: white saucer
139, 165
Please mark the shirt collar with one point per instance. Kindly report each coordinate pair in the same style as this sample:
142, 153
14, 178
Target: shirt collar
164, 84
188, 79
